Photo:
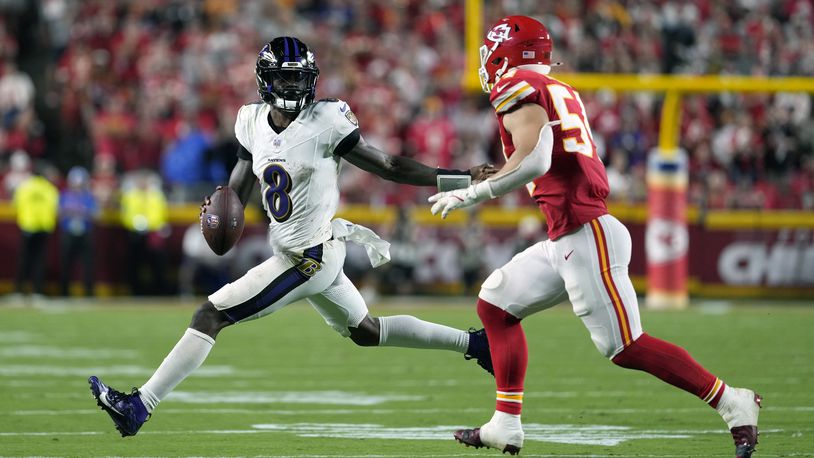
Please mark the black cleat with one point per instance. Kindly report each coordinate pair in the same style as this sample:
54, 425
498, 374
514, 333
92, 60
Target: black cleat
471, 438
478, 350
746, 436
745, 440
126, 410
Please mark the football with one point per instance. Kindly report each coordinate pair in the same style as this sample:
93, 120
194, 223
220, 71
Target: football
222, 220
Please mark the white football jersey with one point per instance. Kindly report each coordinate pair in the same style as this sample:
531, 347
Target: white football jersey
298, 169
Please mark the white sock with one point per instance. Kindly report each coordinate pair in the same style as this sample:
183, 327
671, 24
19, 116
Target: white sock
187, 355
409, 331
738, 407
503, 428
506, 420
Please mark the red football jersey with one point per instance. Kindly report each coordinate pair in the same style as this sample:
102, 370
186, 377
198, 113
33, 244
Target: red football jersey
574, 189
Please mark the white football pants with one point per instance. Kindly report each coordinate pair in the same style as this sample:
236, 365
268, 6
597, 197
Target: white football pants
315, 275
589, 267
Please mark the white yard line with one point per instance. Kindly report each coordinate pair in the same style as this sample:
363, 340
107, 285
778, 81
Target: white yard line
368, 411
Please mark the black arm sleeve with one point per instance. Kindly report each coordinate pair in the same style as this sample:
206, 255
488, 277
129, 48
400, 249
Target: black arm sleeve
393, 168
243, 153
347, 143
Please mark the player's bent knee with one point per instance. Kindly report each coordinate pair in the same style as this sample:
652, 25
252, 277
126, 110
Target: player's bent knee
608, 349
209, 320
602, 341
366, 334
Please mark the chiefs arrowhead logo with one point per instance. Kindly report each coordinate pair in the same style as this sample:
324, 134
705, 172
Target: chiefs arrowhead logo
665, 240
500, 33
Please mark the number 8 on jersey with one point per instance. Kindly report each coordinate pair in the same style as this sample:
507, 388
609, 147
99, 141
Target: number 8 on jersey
278, 185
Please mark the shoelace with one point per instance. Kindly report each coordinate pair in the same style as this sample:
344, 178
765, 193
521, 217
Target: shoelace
115, 396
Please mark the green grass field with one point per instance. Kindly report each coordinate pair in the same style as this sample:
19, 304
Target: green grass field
288, 385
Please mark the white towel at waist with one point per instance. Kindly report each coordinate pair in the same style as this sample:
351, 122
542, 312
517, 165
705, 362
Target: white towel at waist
378, 249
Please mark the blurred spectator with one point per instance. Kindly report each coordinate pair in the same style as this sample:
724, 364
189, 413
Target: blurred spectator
202, 271
431, 136
16, 93
471, 252
20, 128
186, 166
397, 275
802, 184
36, 201
618, 178
144, 215
529, 232
77, 210
114, 133
718, 192
19, 171
221, 155
105, 181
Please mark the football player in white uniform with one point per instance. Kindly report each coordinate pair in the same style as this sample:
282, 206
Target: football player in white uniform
293, 145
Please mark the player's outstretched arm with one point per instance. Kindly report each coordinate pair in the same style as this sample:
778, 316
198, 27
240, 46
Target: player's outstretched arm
242, 180
402, 169
533, 140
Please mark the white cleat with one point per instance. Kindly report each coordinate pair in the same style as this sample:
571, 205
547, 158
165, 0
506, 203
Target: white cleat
502, 436
503, 432
740, 408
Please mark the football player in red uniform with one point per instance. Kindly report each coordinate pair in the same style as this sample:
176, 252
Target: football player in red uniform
548, 148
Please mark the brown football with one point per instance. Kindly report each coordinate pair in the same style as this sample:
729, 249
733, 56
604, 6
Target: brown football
222, 220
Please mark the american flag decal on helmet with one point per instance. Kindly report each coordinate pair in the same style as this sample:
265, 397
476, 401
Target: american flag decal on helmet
528, 54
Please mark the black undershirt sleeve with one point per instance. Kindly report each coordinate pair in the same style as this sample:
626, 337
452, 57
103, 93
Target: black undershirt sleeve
243, 153
347, 143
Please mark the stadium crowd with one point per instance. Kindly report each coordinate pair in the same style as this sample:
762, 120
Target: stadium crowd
119, 87
156, 84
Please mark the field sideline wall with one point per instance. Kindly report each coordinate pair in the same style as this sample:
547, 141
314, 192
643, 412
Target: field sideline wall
732, 254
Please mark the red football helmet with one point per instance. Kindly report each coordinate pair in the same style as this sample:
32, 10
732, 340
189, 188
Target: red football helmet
513, 41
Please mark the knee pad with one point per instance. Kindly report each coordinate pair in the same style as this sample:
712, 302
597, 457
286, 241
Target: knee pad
490, 289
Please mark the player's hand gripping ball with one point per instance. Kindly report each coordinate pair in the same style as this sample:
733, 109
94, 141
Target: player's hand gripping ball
222, 219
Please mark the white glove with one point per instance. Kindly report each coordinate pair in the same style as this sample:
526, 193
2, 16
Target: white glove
447, 201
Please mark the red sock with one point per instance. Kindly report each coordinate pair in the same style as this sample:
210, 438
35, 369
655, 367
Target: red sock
672, 364
510, 355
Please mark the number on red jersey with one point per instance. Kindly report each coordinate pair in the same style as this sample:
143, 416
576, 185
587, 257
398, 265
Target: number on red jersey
583, 142
509, 93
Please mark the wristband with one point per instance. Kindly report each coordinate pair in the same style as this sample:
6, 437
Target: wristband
440, 171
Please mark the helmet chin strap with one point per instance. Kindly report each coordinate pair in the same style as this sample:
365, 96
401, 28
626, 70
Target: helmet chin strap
502, 69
